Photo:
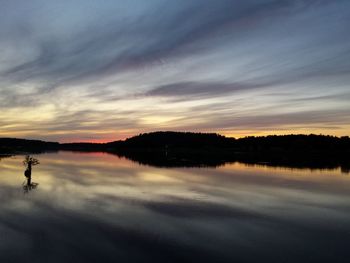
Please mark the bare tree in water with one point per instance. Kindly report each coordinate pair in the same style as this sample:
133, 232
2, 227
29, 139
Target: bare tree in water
29, 162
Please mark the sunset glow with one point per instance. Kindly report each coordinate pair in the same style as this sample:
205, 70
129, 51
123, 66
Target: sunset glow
98, 71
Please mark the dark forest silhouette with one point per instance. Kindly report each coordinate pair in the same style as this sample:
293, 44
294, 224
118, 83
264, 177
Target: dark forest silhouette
208, 149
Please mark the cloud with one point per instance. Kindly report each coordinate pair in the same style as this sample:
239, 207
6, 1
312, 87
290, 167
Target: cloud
152, 56
266, 121
110, 45
197, 90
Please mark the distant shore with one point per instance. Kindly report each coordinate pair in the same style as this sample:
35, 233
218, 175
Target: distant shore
207, 149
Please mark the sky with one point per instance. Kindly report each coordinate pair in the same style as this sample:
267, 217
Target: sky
103, 70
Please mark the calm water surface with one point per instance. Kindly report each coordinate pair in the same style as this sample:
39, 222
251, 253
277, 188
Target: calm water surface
100, 208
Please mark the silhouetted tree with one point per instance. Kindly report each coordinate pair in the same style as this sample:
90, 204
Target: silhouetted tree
28, 163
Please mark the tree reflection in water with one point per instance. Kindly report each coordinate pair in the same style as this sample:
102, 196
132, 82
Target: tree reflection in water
28, 187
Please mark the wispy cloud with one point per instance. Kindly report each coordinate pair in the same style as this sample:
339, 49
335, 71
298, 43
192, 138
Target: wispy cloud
96, 60
198, 90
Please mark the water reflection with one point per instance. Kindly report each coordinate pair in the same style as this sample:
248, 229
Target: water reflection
29, 186
214, 159
102, 208
345, 170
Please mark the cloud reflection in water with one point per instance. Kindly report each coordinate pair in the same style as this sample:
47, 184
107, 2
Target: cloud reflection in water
98, 207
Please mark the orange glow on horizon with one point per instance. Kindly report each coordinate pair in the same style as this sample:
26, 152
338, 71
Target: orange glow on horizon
98, 140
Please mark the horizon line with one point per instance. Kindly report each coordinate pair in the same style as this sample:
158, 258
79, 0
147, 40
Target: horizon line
238, 137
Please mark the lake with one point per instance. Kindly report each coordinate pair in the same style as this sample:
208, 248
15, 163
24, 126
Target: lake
97, 207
